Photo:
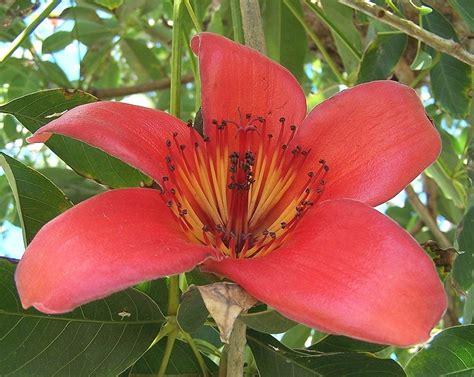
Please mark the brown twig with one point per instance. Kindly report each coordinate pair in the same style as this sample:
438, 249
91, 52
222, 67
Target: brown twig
141, 88
425, 215
447, 46
232, 364
252, 25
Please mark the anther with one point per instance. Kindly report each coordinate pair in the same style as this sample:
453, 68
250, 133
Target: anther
293, 128
169, 203
168, 143
282, 120
326, 168
322, 161
182, 147
175, 134
311, 174
165, 178
283, 225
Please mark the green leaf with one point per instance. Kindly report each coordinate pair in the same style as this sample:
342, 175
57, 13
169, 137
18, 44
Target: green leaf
192, 311
463, 268
38, 200
157, 290
422, 60
76, 187
337, 343
56, 42
52, 73
182, 361
450, 353
109, 4
450, 78
36, 109
341, 17
465, 8
141, 59
381, 56
275, 360
268, 321
285, 38
90, 33
102, 338
296, 337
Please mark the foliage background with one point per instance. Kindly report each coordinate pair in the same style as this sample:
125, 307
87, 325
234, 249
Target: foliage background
121, 49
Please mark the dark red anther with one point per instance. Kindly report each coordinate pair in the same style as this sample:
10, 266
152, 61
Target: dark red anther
182, 147
322, 161
326, 168
175, 134
282, 120
283, 225
165, 178
293, 128
168, 143
169, 203
311, 174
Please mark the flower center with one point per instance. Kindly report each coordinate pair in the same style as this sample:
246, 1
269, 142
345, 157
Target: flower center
240, 195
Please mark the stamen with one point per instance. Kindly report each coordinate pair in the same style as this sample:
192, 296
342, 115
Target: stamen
239, 196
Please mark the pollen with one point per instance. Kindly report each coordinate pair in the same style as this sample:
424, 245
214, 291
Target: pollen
241, 195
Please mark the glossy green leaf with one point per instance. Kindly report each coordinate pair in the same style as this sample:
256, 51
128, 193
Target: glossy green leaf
381, 56
57, 41
337, 343
422, 60
76, 187
192, 311
36, 109
38, 200
275, 360
285, 38
463, 268
341, 17
102, 338
268, 321
296, 337
465, 8
156, 290
450, 353
450, 78
182, 362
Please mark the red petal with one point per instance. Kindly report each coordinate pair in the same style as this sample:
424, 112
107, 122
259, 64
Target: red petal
375, 138
101, 246
347, 270
237, 79
134, 134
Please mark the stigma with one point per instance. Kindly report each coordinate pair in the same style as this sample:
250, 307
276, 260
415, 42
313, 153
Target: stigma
239, 190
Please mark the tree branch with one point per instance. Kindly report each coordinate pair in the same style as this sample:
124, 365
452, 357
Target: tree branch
141, 88
425, 215
252, 25
447, 46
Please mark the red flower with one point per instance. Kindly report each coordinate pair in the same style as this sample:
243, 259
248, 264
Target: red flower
277, 201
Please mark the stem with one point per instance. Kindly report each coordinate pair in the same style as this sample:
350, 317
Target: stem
318, 12
169, 348
29, 30
232, 361
425, 215
447, 46
236, 21
173, 295
252, 25
176, 50
319, 44
196, 352
193, 16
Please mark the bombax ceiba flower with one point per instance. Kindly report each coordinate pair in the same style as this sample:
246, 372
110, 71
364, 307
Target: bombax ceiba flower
274, 199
